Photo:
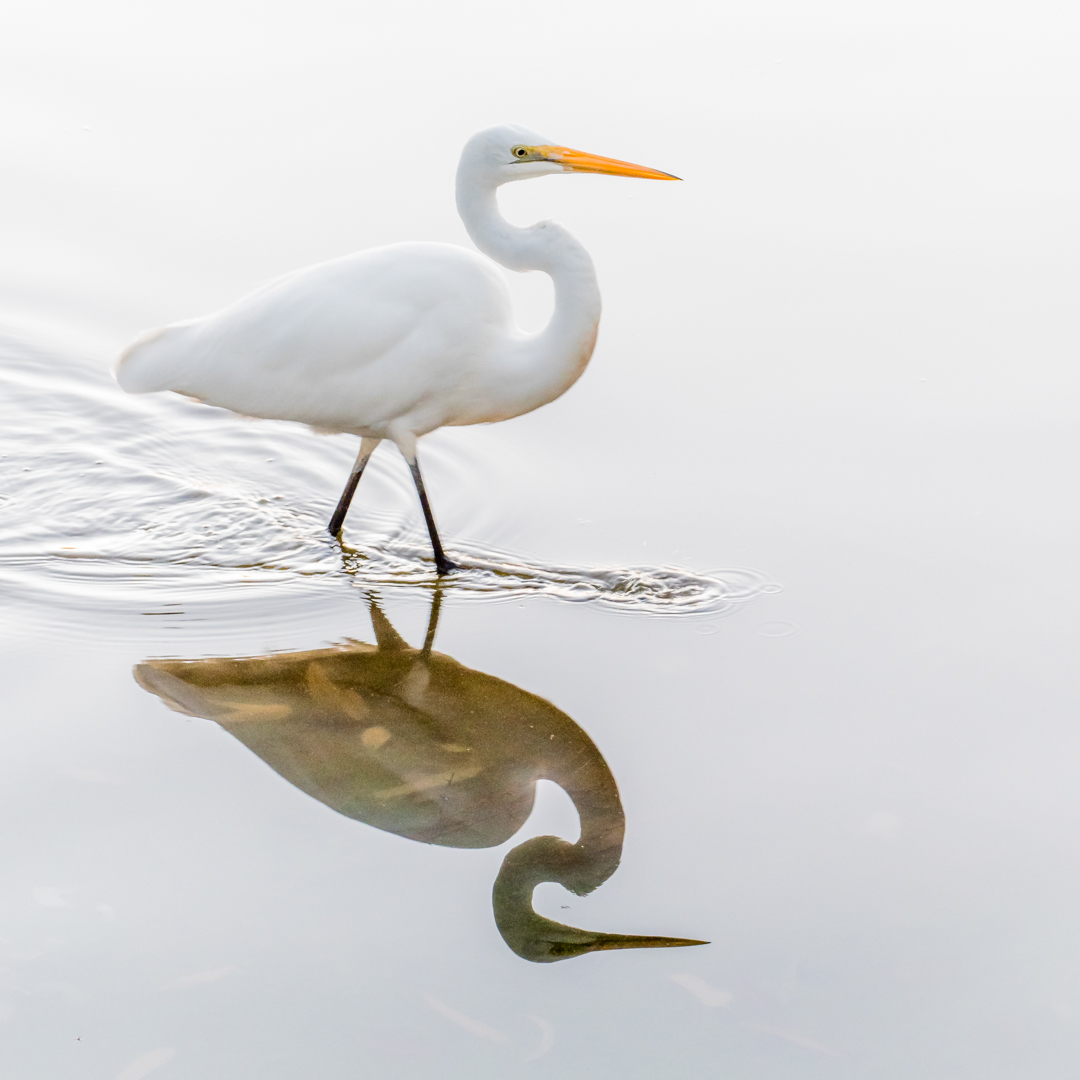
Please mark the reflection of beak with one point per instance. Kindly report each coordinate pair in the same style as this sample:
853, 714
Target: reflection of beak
548, 941
578, 161
600, 942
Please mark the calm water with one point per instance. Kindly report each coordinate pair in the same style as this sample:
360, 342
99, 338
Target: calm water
770, 622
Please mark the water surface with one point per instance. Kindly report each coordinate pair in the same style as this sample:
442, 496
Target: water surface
790, 573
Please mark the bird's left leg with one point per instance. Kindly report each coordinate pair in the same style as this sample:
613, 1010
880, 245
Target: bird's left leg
408, 450
367, 448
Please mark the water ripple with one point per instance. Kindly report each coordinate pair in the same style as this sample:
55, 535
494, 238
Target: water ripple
110, 499
400, 560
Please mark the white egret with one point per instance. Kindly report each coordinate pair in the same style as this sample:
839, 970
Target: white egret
394, 342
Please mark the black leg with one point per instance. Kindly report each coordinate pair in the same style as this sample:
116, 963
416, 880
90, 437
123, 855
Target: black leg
343, 503
367, 448
442, 563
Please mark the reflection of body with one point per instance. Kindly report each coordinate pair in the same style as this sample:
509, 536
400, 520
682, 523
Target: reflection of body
412, 742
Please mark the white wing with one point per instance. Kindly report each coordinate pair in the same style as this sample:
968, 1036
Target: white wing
347, 345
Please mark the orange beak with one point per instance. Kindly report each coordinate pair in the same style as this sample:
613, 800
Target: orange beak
578, 161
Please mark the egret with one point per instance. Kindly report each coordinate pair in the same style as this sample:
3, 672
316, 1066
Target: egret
394, 342
414, 743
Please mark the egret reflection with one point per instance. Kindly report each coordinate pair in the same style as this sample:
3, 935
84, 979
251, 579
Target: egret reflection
412, 742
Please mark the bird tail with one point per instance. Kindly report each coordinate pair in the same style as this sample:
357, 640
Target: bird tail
143, 366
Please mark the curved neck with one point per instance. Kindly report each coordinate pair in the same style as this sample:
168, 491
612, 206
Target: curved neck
537, 367
573, 761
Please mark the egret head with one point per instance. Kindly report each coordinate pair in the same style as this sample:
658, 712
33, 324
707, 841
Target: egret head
509, 152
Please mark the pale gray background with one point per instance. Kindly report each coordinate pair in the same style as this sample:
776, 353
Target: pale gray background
843, 352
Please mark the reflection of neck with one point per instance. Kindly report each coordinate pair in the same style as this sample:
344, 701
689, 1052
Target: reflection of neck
580, 770
581, 867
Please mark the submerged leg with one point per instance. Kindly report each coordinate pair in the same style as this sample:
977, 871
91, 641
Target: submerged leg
367, 448
442, 563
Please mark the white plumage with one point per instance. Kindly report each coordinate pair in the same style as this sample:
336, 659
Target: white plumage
395, 342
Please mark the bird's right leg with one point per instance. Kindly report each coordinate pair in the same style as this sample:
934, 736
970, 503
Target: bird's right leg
406, 443
367, 448
442, 564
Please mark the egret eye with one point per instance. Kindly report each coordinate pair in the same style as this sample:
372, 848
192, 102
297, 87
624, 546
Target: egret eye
520, 151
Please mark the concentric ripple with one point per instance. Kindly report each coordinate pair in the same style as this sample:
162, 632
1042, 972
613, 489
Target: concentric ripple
106, 498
